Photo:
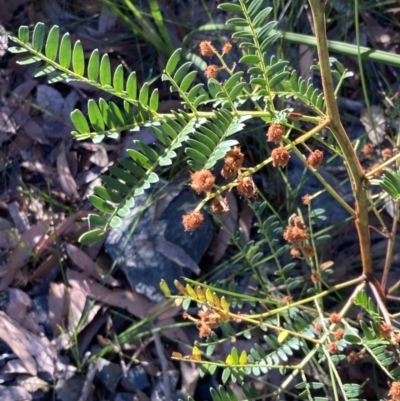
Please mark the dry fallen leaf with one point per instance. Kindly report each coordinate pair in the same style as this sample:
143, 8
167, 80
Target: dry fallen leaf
107, 20
58, 307
374, 126
18, 310
50, 101
3, 41
7, 239
245, 220
86, 264
36, 353
14, 393
135, 304
176, 254
22, 252
67, 182
7, 123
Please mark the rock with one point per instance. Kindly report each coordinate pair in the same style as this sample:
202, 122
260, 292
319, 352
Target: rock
136, 379
108, 373
125, 397
158, 392
70, 390
133, 245
40, 310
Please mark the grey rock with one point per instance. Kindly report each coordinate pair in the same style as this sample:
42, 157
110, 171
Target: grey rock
133, 245
125, 397
158, 392
136, 378
70, 390
108, 373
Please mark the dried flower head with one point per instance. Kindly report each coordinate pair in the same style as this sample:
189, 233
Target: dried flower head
318, 328
352, 357
394, 391
246, 187
287, 299
207, 49
308, 251
226, 48
379, 171
315, 277
332, 347
295, 252
234, 158
368, 149
228, 172
275, 133
294, 234
219, 206
339, 333
280, 157
386, 153
297, 221
335, 318
386, 330
212, 71
306, 199
192, 220
202, 181
315, 158
204, 330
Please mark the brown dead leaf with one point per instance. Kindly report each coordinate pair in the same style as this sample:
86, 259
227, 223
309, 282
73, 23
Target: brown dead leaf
87, 265
22, 252
14, 393
32, 384
35, 131
376, 125
18, 310
7, 239
221, 240
90, 331
135, 304
58, 307
50, 101
3, 41
107, 20
22, 91
7, 123
100, 157
67, 182
35, 352
190, 374
14, 366
306, 60
46, 267
176, 254
245, 221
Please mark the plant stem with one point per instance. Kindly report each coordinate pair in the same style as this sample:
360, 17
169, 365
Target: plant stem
356, 172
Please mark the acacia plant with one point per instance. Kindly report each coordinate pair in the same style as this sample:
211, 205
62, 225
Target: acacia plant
204, 128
